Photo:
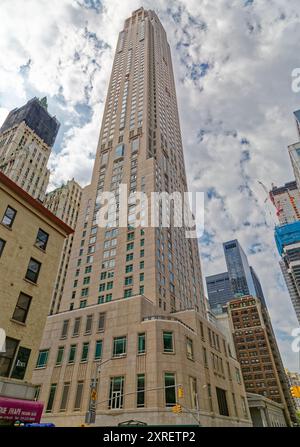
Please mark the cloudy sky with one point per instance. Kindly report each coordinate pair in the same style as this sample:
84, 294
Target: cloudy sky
232, 61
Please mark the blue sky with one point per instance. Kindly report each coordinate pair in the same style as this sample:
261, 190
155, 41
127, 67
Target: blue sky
232, 62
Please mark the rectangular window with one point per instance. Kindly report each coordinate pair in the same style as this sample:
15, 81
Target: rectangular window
168, 342
129, 268
86, 280
85, 292
238, 375
2, 245
88, 324
22, 308
98, 350
127, 293
42, 358
101, 322
129, 257
76, 326
51, 397
128, 280
170, 389
222, 401
194, 394
142, 265
33, 270
116, 392
42, 239
142, 253
130, 246
64, 398
60, 354
189, 349
109, 285
9, 217
85, 352
65, 328
7, 357
72, 354
140, 391
141, 343
82, 304
119, 151
78, 396
119, 346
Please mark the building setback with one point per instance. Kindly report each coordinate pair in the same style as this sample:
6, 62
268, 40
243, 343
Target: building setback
133, 300
31, 239
258, 354
26, 138
64, 202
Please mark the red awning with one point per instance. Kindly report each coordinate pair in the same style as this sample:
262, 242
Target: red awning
20, 410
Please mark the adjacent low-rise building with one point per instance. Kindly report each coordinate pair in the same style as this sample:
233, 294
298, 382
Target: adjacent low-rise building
31, 240
134, 360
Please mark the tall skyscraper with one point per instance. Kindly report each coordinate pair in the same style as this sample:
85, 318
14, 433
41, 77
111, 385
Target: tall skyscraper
26, 138
64, 202
286, 200
258, 353
238, 268
132, 322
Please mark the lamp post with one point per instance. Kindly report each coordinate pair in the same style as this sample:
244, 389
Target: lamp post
90, 417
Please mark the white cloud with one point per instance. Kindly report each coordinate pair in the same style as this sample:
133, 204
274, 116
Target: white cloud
245, 94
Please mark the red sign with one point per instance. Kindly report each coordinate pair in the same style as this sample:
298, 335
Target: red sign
20, 410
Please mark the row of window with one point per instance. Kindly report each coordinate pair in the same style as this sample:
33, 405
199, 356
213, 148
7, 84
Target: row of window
116, 394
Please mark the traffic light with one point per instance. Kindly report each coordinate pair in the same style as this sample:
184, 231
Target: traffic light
177, 409
295, 391
180, 391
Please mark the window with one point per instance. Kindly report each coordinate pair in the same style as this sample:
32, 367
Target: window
119, 346
129, 257
194, 394
109, 285
142, 289
189, 349
9, 217
86, 280
88, 269
7, 357
130, 236
141, 343
142, 276
108, 297
22, 308
33, 270
128, 280
140, 390
98, 350
72, 354
244, 407
65, 395
142, 253
222, 401
78, 396
60, 354
42, 239
170, 390
238, 376
85, 352
119, 151
142, 264
102, 287
168, 341
116, 392
82, 304
101, 322
134, 145
2, 245
130, 246
129, 268
85, 291
127, 293
76, 326
42, 358
65, 328
51, 397
103, 276
88, 324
